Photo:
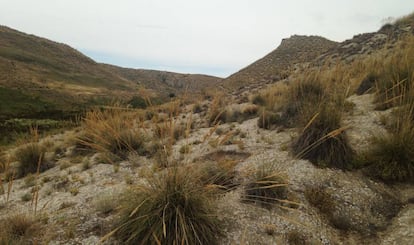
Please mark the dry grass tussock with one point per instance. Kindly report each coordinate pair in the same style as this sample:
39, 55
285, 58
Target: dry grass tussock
392, 74
31, 157
173, 207
267, 186
323, 140
20, 229
293, 105
112, 131
391, 155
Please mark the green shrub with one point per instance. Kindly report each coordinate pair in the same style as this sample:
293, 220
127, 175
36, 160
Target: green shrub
266, 187
173, 208
31, 156
323, 141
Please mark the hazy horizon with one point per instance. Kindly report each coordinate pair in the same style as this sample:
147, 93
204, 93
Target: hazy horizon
207, 37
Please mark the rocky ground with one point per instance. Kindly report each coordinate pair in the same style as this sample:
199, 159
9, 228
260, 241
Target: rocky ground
353, 210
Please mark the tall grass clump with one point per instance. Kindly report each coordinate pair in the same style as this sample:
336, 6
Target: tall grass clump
30, 157
172, 208
297, 99
396, 76
323, 140
391, 156
112, 131
20, 229
267, 186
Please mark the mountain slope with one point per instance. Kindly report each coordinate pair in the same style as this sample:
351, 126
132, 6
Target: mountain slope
49, 77
277, 64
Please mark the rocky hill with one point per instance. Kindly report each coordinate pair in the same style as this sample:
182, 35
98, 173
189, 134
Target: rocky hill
277, 65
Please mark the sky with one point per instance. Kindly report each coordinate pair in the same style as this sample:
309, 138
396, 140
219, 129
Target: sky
215, 37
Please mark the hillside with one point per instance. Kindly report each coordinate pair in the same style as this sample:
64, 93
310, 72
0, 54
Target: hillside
53, 78
167, 82
306, 161
296, 50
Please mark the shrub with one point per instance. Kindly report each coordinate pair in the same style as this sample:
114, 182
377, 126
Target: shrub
391, 157
221, 174
258, 99
396, 76
19, 229
30, 156
173, 208
323, 141
268, 120
267, 186
112, 131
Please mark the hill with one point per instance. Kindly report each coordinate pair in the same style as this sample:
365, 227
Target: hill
51, 78
278, 63
307, 161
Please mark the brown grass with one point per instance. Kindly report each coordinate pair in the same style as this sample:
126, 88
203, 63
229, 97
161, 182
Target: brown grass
112, 131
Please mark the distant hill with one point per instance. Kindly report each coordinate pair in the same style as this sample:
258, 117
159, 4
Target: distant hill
277, 64
51, 78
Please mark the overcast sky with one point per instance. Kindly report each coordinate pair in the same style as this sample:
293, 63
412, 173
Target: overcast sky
216, 37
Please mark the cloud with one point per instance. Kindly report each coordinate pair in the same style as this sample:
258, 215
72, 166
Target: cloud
187, 35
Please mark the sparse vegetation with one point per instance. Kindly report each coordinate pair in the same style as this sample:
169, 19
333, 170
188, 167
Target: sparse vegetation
111, 131
267, 186
20, 229
106, 203
220, 174
391, 156
31, 157
173, 208
323, 140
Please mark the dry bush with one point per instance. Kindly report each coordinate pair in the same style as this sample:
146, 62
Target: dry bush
31, 157
323, 140
391, 156
297, 102
112, 131
20, 229
395, 75
220, 174
267, 186
172, 208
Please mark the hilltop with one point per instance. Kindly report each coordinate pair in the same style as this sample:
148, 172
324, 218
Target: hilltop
278, 64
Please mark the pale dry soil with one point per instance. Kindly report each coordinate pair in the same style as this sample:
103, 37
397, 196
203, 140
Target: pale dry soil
364, 211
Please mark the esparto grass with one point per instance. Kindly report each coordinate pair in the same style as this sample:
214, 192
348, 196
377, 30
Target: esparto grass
172, 208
